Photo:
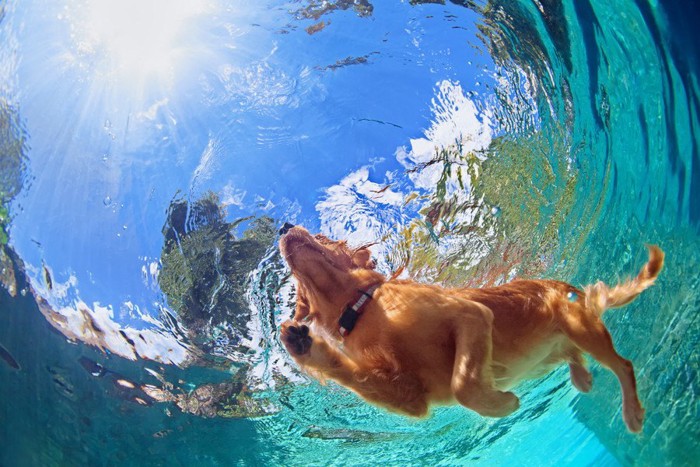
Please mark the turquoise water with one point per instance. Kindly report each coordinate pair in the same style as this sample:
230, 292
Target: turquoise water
150, 150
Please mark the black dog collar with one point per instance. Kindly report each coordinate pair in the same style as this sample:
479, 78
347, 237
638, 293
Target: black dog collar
352, 312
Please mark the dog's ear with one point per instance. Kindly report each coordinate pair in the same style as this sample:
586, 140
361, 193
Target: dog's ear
362, 258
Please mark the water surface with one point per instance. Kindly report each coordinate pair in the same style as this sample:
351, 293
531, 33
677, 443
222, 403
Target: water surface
151, 150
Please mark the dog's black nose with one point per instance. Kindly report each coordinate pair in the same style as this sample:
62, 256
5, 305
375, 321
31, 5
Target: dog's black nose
285, 228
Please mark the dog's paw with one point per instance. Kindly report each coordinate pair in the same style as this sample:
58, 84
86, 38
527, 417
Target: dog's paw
633, 414
581, 378
505, 403
296, 338
493, 403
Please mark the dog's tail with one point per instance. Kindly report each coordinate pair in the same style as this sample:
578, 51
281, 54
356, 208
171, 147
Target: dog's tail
600, 297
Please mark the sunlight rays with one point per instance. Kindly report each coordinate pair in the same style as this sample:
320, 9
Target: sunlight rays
138, 38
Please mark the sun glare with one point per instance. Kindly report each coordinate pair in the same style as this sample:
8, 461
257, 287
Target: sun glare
138, 38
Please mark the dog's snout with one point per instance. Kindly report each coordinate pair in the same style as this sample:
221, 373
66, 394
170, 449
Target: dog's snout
285, 228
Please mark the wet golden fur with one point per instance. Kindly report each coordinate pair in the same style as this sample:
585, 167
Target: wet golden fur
415, 345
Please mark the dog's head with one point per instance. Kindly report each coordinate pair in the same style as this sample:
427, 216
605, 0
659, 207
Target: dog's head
325, 269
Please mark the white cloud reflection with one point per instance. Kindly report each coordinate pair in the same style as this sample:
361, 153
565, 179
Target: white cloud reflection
360, 210
97, 325
456, 121
364, 211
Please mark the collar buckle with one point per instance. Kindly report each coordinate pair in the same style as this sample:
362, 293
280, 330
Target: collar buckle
348, 319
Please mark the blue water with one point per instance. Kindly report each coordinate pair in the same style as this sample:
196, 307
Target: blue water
149, 151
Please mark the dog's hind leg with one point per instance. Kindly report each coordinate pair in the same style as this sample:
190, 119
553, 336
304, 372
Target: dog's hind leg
580, 376
589, 334
472, 376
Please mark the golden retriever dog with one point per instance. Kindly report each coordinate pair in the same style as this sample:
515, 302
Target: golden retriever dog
404, 345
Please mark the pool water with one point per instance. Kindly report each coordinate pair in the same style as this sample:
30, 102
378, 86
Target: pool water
150, 151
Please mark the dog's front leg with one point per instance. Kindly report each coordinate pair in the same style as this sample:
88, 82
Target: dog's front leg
302, 308
472, 375
315, 354
374, 380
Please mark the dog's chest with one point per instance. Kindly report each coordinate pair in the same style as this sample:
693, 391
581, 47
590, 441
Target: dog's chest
351, 346
318, 329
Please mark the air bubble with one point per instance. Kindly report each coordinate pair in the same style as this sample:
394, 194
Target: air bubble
107, 201
496, 211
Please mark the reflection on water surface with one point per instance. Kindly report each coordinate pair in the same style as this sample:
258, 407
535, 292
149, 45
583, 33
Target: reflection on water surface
150, 153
